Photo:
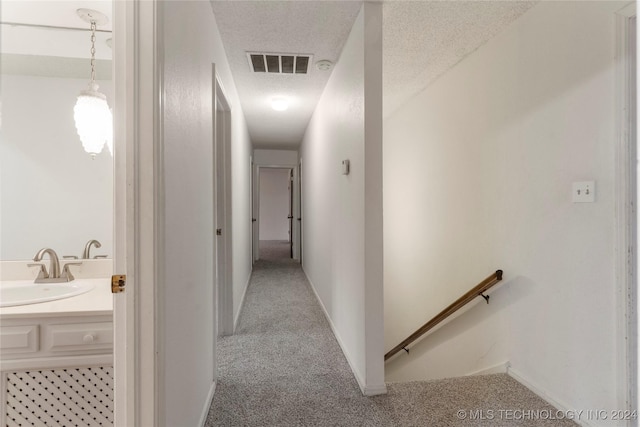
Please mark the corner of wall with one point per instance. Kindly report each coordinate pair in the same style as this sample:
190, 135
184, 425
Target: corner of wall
238, 310
547, 396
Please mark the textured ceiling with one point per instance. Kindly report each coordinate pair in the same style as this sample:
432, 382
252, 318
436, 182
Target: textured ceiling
424, 39
319, 28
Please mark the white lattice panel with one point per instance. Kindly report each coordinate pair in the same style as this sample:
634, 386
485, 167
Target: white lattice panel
60, 397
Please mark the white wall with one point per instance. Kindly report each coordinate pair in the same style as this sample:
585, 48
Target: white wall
52, 193
274, 204
335, 213
275, 157
192, 44
241, 149
477, 176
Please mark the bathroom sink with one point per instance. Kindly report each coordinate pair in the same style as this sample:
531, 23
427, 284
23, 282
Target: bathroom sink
23, 292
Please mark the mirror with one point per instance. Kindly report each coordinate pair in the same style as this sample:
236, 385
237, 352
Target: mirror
52, 193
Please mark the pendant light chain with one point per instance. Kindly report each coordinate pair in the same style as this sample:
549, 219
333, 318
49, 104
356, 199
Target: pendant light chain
93, 51
91, 113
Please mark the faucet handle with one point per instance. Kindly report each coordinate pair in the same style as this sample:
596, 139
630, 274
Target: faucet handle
69, 256
66, 272
42, 274
100, 256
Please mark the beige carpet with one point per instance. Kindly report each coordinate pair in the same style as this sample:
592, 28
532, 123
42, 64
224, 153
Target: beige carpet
284, 367
274, 250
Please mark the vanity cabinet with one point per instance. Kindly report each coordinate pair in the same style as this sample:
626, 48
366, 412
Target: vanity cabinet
56, 361
21, 340
57, 370
24, 340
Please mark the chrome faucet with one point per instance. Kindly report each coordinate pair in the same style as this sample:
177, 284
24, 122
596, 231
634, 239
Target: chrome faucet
53, 276
87, 248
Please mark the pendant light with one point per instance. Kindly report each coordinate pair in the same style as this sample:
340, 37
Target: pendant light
91, 113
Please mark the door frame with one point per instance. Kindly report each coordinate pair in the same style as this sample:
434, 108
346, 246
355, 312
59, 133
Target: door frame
222, 162
299, 217
138, 211
626, 186
255, 212
297, 194
291, 216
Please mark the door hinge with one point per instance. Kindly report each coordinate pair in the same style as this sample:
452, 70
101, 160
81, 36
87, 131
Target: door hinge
218, 231
118, 282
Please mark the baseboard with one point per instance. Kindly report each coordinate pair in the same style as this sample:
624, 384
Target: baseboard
244, 294
366, 390
501, 368
544, 395
205, 411
374, 390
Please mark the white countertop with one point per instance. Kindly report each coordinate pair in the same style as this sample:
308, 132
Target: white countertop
96, 302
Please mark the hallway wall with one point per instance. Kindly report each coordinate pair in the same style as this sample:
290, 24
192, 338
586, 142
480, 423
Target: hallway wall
274, 204
477, 176
341, 253
187, 359
275, 157
241, 150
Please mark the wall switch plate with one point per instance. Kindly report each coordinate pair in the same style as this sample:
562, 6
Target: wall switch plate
345, 167
584, 192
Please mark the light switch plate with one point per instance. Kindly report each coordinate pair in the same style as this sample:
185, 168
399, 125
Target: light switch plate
345, 167
584, 192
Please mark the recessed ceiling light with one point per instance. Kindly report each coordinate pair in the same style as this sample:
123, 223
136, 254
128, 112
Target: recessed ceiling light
279, 104
324, 65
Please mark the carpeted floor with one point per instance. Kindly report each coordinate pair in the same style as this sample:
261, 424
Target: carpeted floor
275, 250
284, 367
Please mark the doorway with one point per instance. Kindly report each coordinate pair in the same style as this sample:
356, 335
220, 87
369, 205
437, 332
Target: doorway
276, 212
222, 203
275, 225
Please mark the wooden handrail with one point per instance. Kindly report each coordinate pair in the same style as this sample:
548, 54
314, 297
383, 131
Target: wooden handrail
478, 290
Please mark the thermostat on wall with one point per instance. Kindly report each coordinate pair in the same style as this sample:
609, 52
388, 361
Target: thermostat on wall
345, 167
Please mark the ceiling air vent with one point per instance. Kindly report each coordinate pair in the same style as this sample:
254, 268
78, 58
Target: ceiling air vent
279, 63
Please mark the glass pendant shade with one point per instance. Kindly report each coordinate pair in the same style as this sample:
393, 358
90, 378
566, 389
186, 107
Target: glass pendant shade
93, 120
